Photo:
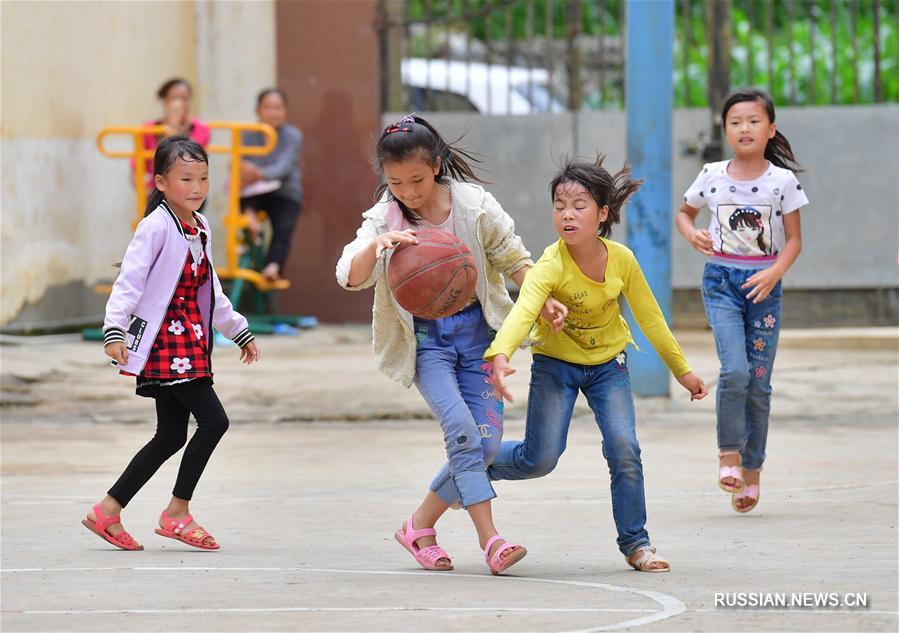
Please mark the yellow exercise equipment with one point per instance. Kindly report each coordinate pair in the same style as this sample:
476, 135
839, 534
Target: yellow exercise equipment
234, 220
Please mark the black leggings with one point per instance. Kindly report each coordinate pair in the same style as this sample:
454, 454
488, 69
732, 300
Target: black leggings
283, 214
174, 404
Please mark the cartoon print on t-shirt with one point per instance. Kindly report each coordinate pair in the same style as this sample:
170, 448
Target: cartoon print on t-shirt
745, 229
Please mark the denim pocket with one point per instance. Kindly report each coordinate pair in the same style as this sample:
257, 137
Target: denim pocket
713, 282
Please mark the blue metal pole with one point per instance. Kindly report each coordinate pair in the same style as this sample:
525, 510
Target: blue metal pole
649, 90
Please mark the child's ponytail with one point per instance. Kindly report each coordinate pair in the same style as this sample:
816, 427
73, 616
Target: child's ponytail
778, 151
452, 159
604, 188
623, 187
413, 136
153, 200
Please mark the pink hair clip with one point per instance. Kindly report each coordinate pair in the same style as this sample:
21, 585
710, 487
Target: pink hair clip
403, 125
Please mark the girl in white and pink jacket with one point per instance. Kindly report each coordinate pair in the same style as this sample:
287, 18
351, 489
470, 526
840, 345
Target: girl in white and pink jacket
158, 327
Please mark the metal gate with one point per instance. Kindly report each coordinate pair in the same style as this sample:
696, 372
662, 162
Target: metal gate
543, 56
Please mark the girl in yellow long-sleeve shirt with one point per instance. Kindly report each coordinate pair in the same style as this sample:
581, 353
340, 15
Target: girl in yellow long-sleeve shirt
587, 272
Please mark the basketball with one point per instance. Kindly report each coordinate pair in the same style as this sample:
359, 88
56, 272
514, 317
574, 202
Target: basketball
434, 278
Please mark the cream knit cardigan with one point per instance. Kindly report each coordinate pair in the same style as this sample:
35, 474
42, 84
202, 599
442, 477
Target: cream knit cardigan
482, 225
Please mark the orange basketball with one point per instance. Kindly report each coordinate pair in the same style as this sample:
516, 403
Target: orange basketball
434, 278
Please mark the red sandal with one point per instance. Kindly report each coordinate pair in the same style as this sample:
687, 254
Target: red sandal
195, 538
123, 540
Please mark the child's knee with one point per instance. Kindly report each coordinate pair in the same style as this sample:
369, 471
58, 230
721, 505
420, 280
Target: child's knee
734, 379
491, 448
543, 466
462, 442
622, 449
171, 443
218, 424
759, 383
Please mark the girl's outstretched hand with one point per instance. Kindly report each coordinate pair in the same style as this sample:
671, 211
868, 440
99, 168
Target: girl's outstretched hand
249, 353
501, 369
392, 239
117, 352
762, 283
693, 383
554, 312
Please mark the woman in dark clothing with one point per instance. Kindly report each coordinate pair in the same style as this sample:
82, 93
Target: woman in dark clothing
271, 183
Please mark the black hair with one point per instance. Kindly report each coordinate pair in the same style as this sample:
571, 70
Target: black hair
164, 89
414, 136
749, 218
266, 92
778, 150
603, 187
169, 151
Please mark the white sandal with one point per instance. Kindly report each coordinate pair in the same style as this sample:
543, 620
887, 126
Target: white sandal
648, 557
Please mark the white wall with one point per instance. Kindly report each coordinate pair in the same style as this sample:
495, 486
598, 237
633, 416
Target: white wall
72, 68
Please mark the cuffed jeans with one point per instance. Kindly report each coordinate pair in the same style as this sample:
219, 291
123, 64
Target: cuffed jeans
455, 381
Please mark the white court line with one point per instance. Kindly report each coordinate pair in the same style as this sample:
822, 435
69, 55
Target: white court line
671, 606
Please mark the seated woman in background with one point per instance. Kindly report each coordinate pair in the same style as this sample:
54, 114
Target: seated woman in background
271, 183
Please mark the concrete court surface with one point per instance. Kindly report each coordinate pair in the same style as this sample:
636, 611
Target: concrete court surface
325, 458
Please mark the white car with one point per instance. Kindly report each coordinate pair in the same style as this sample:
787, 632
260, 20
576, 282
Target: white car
476, 87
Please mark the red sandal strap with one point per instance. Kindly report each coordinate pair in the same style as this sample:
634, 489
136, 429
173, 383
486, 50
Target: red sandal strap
102, 521
176, 525
201, 539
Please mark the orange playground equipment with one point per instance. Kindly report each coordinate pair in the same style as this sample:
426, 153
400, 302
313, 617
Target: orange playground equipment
241, 258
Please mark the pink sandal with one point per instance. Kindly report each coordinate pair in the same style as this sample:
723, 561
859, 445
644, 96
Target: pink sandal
195, 538
734, 472
427, 557
123, 540
751, 492
496, 563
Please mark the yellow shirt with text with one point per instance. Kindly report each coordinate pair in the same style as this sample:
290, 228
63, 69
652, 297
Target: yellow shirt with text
595, 332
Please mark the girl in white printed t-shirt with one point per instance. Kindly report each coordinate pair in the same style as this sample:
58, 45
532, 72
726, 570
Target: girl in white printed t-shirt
753, 238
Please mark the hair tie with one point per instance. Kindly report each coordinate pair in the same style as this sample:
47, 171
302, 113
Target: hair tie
403, 125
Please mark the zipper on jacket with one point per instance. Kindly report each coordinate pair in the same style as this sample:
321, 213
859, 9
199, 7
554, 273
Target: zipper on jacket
162, 322
210, 330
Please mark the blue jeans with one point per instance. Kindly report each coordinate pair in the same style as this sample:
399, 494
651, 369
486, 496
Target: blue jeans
554, 388
746, 340
454, 379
